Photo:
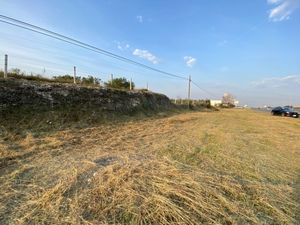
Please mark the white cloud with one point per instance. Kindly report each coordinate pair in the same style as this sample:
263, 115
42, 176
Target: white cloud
145, 54
282, 9
122, 46
140, 19
274, 1
189, 60
277, 82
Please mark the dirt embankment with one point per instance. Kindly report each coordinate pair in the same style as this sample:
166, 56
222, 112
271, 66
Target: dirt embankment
23, 94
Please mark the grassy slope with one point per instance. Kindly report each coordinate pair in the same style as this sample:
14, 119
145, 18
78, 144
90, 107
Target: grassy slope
229, 167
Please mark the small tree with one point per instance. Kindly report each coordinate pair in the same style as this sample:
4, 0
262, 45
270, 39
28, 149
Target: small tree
228, 100
119, 83
90, 80
66, 79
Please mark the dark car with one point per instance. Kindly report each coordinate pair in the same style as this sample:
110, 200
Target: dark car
284, 111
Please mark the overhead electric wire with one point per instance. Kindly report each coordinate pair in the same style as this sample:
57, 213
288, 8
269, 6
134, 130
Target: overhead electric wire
48, 35
60, 37
202, 89
42, 31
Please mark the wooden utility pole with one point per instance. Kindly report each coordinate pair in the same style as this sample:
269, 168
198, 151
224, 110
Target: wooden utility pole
5, 66
189, 91
74, 75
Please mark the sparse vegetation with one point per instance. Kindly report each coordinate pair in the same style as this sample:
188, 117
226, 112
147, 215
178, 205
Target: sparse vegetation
66, 79
226, 167
18, 74
119, 83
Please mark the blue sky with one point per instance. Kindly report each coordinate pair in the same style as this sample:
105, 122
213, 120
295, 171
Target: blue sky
248, 48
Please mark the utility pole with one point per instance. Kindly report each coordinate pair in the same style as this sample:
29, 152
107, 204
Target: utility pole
111, 78
5, 66
74, 76
147, 87
130, 86
189, 92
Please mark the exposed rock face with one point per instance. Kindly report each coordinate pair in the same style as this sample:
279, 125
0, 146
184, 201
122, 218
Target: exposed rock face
19, 93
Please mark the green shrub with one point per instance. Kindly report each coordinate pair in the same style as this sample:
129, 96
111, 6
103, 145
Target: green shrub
119, 83
66, 79
227, 105
90, 80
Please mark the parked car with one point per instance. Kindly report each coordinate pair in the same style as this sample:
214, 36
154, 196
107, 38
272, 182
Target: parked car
284, 111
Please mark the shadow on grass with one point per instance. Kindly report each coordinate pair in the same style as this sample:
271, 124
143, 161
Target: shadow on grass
21, 121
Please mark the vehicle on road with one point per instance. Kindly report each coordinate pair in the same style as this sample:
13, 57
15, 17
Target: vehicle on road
284, 111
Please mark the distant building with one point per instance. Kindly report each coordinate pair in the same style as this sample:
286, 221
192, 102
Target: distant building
215, 102
227, 100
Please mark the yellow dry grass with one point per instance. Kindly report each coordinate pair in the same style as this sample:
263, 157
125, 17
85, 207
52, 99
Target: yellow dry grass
227, 167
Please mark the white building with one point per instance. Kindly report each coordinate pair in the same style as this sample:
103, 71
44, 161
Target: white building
215, 102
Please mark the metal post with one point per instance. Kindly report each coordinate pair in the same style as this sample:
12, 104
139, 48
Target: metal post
189, 91
74, 77
5, 66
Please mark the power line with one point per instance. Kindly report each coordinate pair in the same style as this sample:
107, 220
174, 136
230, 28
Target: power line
59, 64
48, 33
60, 37
202, 89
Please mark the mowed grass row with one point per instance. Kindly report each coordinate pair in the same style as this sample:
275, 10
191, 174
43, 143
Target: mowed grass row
226, 167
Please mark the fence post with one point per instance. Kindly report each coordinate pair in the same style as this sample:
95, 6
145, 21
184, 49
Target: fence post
5, 65
189, 92
74, 75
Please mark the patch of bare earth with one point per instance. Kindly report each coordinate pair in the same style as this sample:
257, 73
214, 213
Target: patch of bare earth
227, 167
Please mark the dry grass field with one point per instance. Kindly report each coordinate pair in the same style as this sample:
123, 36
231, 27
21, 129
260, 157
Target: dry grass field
225, 167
